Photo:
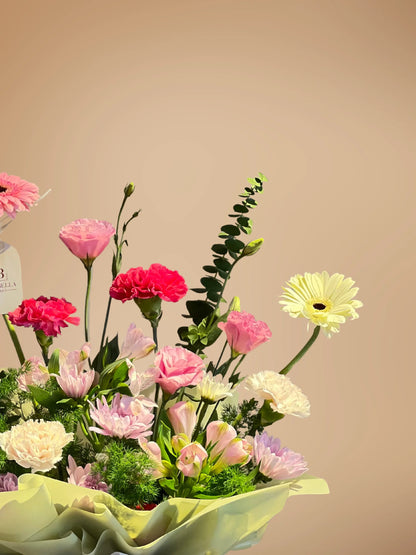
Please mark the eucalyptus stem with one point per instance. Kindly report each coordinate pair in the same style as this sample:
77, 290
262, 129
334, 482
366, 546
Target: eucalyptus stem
87, 302
15, 339
236, 366
304, 349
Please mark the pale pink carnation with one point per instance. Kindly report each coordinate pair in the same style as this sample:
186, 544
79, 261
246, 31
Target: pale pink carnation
136, 345
276, 462
34, 372
178, 368
244, 333
16, 195
191, 459
35, 444
8, 482
129, 417
87, 238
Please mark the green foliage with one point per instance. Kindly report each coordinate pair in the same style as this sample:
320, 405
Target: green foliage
244, 418
9, 397
231, 481
128, 473
205, 313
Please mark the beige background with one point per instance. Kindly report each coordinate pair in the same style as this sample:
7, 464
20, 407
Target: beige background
188, 99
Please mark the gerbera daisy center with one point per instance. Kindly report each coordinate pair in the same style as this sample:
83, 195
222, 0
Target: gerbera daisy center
2, 189
319, 306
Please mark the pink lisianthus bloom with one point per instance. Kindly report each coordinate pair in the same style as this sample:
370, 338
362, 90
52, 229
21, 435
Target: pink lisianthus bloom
128, 417
191, 459
274, 461
152, 449
74, 378
139, 380
82, 476
34, 372
224, 447
8, 482
138, 283
244, 333
178, 368
16, 195
136, 345
46, 314
182, 416
87, 238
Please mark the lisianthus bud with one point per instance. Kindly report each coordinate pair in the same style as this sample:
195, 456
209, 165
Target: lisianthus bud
182, 416
179, 442
191, 459
129, 189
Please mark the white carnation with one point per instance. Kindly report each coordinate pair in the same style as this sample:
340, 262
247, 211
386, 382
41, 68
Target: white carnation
284, 396
35, 444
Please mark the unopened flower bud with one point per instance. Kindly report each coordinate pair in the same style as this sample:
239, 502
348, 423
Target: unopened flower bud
253, 247
129, 190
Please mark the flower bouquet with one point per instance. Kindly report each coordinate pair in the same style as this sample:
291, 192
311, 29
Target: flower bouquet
136, 447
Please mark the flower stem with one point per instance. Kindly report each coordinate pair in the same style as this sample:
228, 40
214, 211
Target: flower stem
201, 417
304, 349
107, 314
220, 357
87, 303
236, 366
15, 339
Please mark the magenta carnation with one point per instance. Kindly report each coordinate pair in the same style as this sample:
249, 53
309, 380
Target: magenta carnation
46, 314
244, 333
138, 283
87, 238
16, 194
178, 367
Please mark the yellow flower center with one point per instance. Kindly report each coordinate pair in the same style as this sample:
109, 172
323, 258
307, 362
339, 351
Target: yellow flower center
320, 305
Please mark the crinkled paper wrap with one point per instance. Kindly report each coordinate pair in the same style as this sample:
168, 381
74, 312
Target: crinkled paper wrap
48, 517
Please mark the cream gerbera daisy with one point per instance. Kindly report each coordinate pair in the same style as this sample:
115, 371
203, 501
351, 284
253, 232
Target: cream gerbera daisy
325, 300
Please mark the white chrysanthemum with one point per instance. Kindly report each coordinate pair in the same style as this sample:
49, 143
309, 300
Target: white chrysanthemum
325, 300
213, 389
284, 396
35, 444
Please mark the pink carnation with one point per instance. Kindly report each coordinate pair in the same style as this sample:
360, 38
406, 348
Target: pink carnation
244, 333
16, 194
276, 462
129, 417
138, 283
87, 238
178, 367
46, 314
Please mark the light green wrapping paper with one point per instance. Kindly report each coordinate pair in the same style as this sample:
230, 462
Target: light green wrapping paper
40, 519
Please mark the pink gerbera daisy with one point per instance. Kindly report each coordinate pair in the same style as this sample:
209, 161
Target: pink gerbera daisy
16, 194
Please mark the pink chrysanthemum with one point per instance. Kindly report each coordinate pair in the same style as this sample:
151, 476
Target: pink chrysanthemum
276, 462
16, 194
128, 417
138, 283
46, 314
8, 482
82, 476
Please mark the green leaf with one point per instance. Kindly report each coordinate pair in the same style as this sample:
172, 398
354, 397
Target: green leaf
251, 201
219, 248
210, 269
268, 416
211, 284
234, 245
213, 296
198, 310
53, 366
198, 289
230, 230
223, 264
240, 208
